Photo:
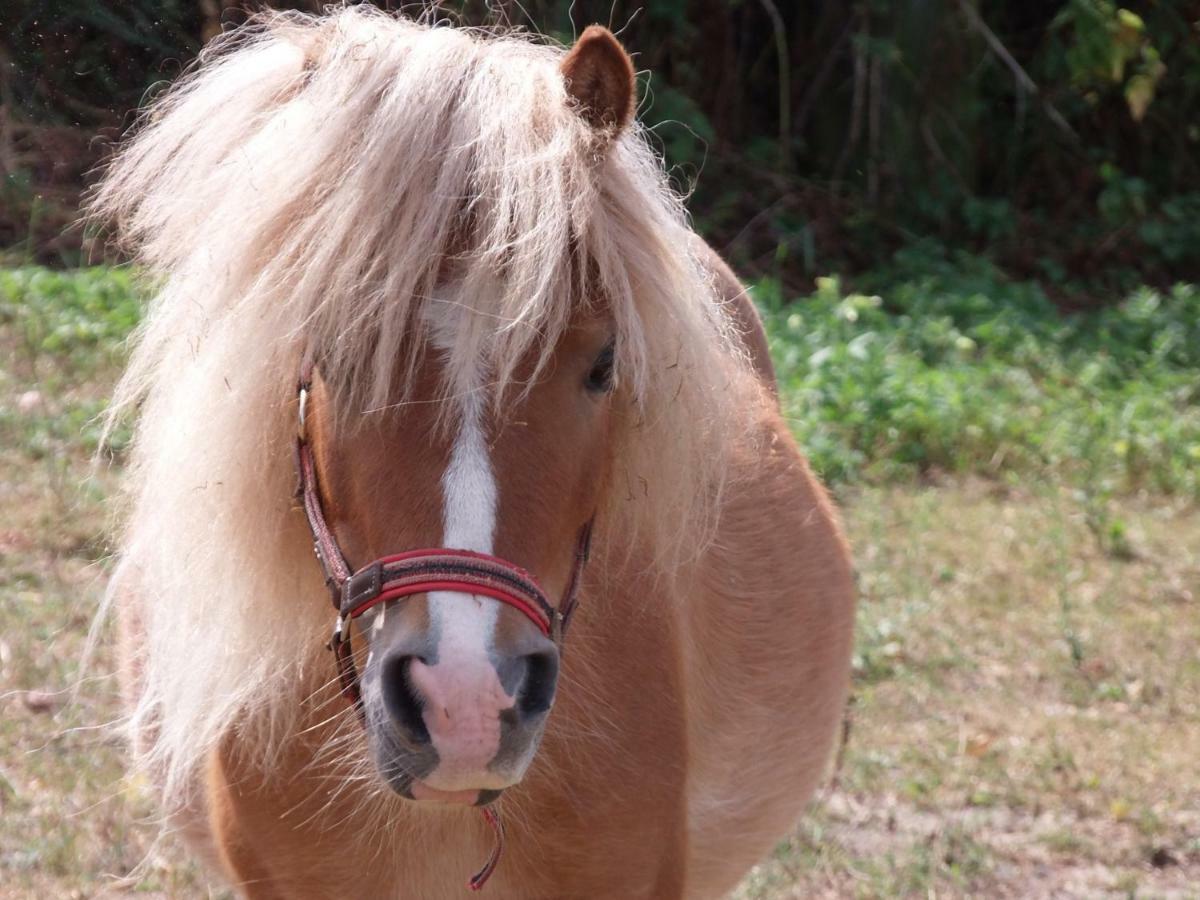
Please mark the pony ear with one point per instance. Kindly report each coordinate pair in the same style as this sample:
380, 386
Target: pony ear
599, 78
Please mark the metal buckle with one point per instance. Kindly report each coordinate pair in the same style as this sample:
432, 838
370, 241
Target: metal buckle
338, 636
361, 587
302, 431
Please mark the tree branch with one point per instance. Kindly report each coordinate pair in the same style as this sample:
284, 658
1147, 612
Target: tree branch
1023, 79
785, 83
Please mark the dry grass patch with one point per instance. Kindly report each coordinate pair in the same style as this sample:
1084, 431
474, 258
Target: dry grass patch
1027, 705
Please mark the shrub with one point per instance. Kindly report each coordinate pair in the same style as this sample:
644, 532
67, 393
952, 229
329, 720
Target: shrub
960, 370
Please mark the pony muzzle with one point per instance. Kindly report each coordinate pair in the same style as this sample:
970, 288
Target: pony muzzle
459, 709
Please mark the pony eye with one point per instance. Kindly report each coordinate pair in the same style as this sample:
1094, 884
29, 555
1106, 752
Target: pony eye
600, 378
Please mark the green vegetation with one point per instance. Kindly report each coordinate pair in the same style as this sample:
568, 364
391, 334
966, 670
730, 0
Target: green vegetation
62, 330
58, 315
952, 368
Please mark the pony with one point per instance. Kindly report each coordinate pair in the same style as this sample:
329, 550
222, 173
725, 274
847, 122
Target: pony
445, 270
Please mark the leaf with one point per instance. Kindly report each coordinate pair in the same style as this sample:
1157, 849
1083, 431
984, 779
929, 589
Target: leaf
859, 348
1139, 94
1130, 19
978, 745
819, 358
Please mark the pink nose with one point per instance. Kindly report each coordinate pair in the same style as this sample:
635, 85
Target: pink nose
461, 707
477, 712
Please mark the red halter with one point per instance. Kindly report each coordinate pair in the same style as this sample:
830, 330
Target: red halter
417, 572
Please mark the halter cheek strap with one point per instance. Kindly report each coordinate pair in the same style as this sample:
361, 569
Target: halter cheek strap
418, 572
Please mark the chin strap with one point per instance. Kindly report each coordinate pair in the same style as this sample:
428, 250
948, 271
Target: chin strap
418, 572
479, 879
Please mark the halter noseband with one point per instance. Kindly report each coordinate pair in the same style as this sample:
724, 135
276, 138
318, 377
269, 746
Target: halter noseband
417, 571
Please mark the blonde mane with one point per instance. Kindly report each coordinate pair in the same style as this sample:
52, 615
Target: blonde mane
311, 183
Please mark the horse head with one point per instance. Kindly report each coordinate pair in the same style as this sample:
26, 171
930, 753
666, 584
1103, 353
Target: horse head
456, 687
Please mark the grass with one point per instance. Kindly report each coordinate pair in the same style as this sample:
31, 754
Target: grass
70, 825
1000, 747
1027, 679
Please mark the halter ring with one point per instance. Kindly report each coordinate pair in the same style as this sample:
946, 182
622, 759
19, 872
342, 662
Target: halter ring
302, 431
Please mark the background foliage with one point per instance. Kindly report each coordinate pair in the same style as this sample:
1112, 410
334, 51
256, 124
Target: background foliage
1059, 139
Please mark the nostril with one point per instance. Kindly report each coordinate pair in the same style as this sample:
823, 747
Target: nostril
536, 692
401, 699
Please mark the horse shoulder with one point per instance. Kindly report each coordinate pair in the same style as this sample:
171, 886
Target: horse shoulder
610, 787
770, 629
279, 831
237, 854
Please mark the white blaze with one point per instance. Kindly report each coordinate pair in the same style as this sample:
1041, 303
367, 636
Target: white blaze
469, 486
465, 622
462, 690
